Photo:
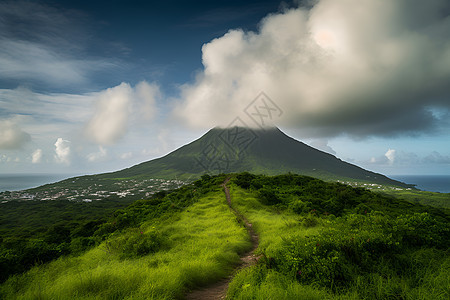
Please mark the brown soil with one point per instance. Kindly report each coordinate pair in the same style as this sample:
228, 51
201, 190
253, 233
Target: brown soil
219, 289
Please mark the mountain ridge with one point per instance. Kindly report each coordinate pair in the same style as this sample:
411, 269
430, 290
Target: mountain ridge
262, 151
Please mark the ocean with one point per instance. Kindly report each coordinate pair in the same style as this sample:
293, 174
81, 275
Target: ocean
17, 182
432, 183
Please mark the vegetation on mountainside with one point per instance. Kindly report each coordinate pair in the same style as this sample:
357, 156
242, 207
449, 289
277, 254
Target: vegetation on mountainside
155, 249
35, 232
237, 149
368, 247
317, 240
441, 200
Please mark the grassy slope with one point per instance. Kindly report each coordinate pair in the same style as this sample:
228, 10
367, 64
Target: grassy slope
441, 200
427, 280
268, 151
273, 227
202, 244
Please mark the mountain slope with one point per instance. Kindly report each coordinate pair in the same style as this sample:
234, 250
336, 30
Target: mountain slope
238, 149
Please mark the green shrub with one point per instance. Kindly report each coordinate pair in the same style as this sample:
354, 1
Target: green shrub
358, 244
310, 221
299, 206
268, 196
134, 243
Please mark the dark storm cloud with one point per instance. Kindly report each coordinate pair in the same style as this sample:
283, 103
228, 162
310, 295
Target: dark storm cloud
359, 68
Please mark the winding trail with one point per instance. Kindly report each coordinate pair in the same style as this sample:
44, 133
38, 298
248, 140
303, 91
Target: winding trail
219, 289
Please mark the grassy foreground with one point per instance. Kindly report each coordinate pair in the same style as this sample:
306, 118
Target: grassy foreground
191, 248
317, 240
387, 251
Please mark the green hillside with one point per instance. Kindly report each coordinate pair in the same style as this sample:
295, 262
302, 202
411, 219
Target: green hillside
317, 240
259, 151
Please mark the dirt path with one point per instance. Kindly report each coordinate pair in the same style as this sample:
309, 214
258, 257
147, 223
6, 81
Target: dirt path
219, 289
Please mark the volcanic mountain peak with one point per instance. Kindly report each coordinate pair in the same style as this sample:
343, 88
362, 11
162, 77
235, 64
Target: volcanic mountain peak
264, 151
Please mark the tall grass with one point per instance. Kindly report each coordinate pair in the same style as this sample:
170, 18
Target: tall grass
440, 200
201, 245
302, 256
273, 227
421, 273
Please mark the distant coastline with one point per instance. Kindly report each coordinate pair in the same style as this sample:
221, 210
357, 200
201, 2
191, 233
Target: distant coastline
432, 183
17, 182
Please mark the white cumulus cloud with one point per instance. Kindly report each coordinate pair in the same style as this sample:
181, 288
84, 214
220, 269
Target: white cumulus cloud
390, 155
145, 96
126, 155
110, 119
62, 151
96, 156
364, 68
322, 144
11, 136
393, 157
36, 156
115, 107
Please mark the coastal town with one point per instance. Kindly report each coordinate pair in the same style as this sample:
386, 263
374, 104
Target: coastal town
89, 189
82, 189
374, 186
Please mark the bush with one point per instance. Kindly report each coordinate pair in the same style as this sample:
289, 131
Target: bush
356, 245
244, 180
300, 207
310, 221
135, 243
268, 196
80, 244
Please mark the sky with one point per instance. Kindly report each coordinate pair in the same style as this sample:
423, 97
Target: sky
95, 86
